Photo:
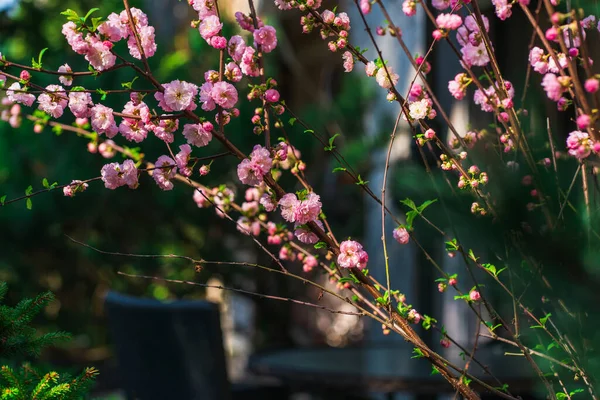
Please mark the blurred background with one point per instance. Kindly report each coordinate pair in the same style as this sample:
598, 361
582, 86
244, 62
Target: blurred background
36, 254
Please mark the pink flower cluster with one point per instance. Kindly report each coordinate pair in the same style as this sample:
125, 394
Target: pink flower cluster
97, 48
177, 96
489, 99
352, 255
580, 144
115, 175
165, 169
251, 171
473, 47
53, 101
448, 21
17, 95
401, 235
458, 86
300, 211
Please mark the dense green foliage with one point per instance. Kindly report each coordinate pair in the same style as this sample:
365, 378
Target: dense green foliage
18, 338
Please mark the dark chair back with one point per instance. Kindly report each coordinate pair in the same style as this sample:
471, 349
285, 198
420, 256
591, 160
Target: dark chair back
168, 350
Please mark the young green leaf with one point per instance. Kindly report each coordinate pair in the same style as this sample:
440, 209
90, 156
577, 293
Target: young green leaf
292, 121
93, 10
3, 199
38, 64
331, 146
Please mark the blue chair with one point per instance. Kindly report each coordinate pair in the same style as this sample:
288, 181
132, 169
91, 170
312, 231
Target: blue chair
172, 350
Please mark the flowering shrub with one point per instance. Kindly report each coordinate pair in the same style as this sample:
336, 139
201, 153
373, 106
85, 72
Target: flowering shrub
187, 116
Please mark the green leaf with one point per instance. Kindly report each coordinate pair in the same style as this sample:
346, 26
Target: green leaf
331, 146
103, 93
38, 64
128, 85
360, 181
338, 169
552, 345
2, 199
434, 370
561, 396
45, 183
472, 256
70, 14
29, 190
410, 217
418, 353
575, 392
93, 10
426, 204
95, 23
320, 245
29, 203
409, 203
490, 268
309, 131
544, 319
355, 298
57, 129
292, 121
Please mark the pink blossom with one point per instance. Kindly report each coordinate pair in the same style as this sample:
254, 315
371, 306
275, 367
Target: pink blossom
456, 87
200, 197
288, 204
370, 68
197, 135
348, 61
268, 202
401, 235
210, 26
419, 109
475, 55
445, 343
383, 80
183, 158
134, 129
342, 21
308, 209
452, 281
15, 95
224, 94
54, 101
236, 47
352, 255
178, 96
474, 295
413, 316
163, 174
74, 38
204, 8
365, 6
103, 120
552, 86
440, 4
503, 9
66, 80
409, 8
208, 103
305, 235
328, 16
147, 40
99, 54
218, 42
74, 187
583, 121
248, 63
272, 96
251, 171
233, 72
592, 85
448, 21
113, 28
80, 103
115, 175
164, 129
579, 144
266, 37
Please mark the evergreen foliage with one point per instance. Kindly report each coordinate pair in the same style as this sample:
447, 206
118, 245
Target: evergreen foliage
18, 338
